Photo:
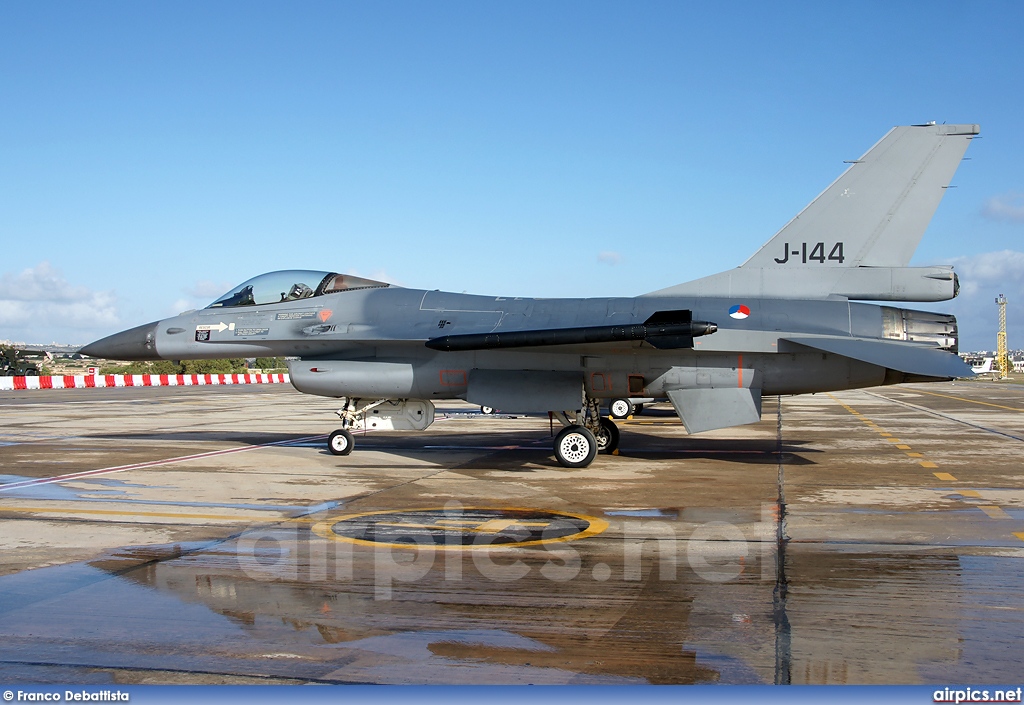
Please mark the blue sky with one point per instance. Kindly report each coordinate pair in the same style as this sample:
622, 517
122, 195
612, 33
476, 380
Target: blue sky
154, 155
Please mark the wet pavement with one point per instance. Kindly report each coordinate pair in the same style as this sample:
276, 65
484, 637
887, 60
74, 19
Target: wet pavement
165, 535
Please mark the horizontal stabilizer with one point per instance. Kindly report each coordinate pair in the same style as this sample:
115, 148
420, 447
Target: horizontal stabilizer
900, 356
708, 408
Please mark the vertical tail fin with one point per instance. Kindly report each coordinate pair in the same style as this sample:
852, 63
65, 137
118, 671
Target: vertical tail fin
875, 213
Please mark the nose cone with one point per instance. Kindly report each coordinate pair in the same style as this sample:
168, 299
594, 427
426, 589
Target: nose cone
132, 344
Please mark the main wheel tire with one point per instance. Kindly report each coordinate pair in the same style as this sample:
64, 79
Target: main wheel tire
575, 447
638, 409
608, 437
620, 408
340, 442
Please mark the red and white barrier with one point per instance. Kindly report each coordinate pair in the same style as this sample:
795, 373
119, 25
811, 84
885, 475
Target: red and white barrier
84, 381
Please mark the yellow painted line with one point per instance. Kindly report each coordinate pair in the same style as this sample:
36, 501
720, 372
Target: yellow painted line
897, 442
971, 401
969, 493
1019, 534
324, 529
995, 512
945, 476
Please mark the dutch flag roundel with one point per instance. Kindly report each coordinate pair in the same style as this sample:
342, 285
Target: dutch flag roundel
739, 311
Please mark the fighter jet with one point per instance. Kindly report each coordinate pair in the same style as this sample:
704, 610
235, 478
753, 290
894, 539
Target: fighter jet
787, 321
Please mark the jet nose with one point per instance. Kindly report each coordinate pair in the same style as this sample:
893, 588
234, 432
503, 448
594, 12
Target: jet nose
133, 344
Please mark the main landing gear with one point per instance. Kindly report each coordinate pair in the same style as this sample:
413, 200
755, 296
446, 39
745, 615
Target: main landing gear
575, 446
620, 408
586, 434
624, 408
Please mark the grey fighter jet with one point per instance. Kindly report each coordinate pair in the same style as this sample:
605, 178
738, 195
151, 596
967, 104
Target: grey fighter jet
786, 321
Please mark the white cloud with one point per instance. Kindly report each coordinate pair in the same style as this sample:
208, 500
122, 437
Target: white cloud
982, 277
41, 283
379, 275
39, 304
199, 295
1006, 206
206, 289
382, 276
181, 305
609, 258
990, 269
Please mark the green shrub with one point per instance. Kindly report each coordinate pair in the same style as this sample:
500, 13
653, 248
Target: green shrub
185, 367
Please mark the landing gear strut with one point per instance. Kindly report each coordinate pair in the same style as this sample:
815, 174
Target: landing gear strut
341, 442
378, 415
607, 437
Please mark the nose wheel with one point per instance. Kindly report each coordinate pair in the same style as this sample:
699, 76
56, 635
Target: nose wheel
340, 442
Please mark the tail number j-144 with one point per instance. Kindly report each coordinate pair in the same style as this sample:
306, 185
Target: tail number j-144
812, 252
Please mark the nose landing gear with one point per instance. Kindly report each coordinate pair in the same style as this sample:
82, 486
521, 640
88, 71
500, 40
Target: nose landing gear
341, 442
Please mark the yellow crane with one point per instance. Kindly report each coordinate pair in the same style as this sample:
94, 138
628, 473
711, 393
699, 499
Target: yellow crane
1002, 359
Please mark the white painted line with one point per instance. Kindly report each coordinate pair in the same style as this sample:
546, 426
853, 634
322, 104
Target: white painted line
150, 464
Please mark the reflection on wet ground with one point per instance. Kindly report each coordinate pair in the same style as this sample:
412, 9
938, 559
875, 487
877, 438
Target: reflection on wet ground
855, 617
881, 572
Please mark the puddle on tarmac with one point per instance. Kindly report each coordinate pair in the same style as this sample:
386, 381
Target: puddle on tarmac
854, 617
52, 490
664, 513
112, 491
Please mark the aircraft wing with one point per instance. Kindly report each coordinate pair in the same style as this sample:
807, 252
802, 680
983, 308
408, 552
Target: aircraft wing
895, 355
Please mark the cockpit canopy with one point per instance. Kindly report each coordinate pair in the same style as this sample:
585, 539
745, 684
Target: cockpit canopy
291, 285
